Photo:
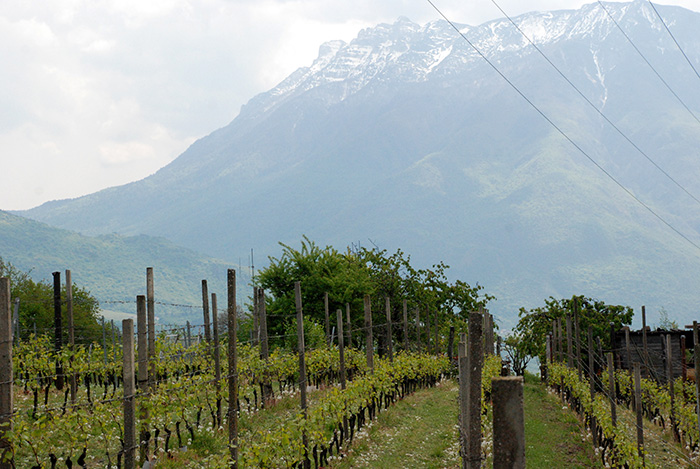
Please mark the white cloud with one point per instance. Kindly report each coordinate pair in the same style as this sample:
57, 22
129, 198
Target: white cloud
103, 93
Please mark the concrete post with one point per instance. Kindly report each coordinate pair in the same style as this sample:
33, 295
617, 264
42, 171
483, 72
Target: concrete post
508, 423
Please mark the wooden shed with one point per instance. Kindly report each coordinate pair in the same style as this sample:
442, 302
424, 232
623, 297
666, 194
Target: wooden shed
654, 362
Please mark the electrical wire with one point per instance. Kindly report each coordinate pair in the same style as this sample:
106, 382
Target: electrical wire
674, 40
562, 133
590, 103
656, 72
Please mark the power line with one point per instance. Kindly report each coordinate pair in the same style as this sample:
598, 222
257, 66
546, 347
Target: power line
563, 134
674, 40
649, 63
594, 106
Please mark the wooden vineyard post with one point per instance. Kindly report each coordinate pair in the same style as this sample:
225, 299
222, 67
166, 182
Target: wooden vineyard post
428, 330
628, 351
232, 370
435, 333
255, 332
264, 346
389, 340
508, 423
151, 310
463, 400
450, 343
6, 377
205, 312
369, 341
591, 379
405, 324
302, 367
611, 389
696, 355
188, 335
347, 313
475, 357
577, 335
671, 392
327, 318
645, 349
141, 331
217, 358
341, 361
71, 333
129, 394
58, 326
418, 344
638, 408
569, 343
341, 348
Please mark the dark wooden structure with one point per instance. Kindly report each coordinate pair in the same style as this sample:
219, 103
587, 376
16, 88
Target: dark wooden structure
654, 364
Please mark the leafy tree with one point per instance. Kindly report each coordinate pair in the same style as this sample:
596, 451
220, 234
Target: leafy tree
519, 352
36, 308
534, 325
349, 276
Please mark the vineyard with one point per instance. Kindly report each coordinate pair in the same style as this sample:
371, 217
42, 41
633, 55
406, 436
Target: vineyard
202, 396
120, 405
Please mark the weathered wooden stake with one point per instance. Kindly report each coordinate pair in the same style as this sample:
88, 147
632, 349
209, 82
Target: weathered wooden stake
638, 408
463, 398
405, 324
205, 312
628, 350
591, 380
142, 384
696, 355
611, 389
71, 333
58, 326
645, 348
347, 313
369, 340
232, 414
217, 358
389, 340
475, 351
129, 394
327, 318
151, 310
577, 329
508, 423
569, 343
341, 359
671, 392
450, 343
301, 349
264, 346
256, 317
6, 376
418, 344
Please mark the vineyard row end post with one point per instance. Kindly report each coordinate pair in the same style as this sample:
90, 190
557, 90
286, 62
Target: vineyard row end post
6, 392
508, 423
232, 370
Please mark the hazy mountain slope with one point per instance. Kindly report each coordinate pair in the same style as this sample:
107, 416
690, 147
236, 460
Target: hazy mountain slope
407, 137
113, 267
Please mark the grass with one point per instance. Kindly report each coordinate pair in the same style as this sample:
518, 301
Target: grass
419, 431
553, 434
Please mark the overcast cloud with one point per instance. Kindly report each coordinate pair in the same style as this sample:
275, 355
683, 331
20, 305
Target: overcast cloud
97, 94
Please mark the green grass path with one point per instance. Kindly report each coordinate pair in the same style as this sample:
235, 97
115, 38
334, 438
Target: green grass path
421, 432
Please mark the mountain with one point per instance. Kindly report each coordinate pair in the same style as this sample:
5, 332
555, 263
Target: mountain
406, 137
113, 267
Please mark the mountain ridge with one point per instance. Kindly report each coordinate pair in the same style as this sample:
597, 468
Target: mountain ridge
390, 137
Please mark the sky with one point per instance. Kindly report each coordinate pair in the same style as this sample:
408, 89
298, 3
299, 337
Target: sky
101, 93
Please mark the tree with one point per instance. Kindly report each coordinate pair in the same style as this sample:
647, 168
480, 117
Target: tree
519, 353
36, 306
349, 276
534, 325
